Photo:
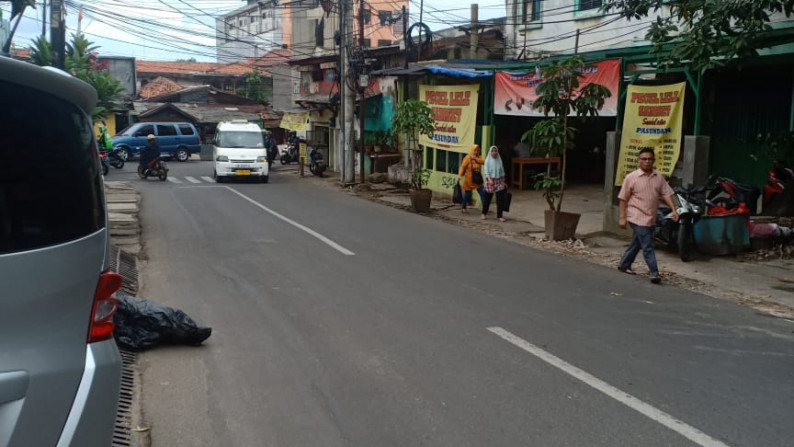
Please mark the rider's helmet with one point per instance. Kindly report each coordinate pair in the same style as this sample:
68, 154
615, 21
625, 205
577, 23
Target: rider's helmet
150, 137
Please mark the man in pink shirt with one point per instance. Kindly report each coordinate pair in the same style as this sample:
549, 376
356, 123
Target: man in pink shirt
639, 200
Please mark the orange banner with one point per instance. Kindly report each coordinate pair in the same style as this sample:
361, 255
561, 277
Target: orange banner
515, 91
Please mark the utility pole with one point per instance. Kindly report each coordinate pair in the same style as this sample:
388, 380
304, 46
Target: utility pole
363, 84
349, 97
342, 89
58, 34
44, 19
576, 46
407, 152
474, 37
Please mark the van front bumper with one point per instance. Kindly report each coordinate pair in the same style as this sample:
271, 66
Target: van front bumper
228, 169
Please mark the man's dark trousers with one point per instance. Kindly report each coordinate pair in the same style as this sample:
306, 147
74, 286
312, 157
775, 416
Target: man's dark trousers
642, 240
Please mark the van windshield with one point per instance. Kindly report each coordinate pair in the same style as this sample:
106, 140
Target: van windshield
239, 139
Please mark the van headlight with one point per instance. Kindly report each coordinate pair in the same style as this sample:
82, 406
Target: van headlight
222, 158
261, 159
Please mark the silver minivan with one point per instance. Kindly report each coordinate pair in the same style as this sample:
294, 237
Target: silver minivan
60, 368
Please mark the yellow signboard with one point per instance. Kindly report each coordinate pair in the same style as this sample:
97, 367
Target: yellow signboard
652, 118
455, 113
295, 121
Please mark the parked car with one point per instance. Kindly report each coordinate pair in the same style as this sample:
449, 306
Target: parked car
60, 369
176, 140
238, 150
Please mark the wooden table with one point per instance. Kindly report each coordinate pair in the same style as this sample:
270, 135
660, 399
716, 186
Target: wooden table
520, 162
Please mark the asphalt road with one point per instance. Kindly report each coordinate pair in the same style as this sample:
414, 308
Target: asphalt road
341, 322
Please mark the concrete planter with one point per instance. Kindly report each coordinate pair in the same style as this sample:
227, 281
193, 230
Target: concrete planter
560, 226
420, 200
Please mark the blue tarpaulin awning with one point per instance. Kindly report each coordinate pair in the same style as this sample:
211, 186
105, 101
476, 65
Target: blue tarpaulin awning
458, 72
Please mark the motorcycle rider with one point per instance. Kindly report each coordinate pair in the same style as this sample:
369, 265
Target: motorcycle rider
150, 153
293, 145
104, 142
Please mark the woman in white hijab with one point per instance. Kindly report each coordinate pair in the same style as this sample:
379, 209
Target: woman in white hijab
495, 183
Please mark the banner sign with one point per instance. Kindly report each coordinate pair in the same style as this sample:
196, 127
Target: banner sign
455, 113
294, 121
515, 91
653, 118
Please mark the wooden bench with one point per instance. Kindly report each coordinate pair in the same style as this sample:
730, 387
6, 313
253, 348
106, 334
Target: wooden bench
517, 168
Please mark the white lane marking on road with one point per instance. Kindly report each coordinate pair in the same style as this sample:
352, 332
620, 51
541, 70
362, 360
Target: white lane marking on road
174, 180
208, 179
308, 230
678, 426
192, 179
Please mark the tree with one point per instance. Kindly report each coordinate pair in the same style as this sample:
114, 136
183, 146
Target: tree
82, 63
560, 93
414, 118
254, 87
705, 33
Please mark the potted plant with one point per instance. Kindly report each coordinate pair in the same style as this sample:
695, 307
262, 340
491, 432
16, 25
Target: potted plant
420, 196
414, 118
560, 94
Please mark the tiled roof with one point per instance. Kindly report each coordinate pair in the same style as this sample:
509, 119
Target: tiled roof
208, 113
192, 68
275, 57
158, 86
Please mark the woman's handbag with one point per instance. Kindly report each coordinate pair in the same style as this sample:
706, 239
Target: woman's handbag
457, 194
476, 178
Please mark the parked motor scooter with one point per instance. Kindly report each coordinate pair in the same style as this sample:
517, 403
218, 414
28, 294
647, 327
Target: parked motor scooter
679, 235
778, 199
316, 162
157, 168
115, 159
736, 193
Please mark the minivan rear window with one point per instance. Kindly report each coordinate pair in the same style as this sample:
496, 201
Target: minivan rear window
240, 139
186, 129
50, 183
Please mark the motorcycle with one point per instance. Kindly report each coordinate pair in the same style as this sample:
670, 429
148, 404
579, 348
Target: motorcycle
776, 200
115, 159
316, 162
736, 192
103, 159
290, 154
679, 235
157, 168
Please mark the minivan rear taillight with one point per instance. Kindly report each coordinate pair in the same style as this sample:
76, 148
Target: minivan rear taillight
101, 327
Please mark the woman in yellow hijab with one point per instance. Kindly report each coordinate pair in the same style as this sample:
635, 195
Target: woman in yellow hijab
471, 171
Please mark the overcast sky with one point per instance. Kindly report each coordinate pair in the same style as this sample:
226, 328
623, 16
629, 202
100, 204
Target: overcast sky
183, 29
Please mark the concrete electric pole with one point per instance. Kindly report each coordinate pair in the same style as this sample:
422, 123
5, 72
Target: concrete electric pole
349, 96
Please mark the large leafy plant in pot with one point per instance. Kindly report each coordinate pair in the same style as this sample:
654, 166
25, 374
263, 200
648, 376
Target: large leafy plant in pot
561, 94
414, 118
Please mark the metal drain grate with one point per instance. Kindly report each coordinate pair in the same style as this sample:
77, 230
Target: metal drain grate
121, 431
126, 265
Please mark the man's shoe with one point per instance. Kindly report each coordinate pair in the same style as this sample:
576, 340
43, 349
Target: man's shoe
656, 279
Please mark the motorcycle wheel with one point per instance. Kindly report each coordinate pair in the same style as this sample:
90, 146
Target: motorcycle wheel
118, 164
163, 174
284, 159
105, 169
685, 241
140, 173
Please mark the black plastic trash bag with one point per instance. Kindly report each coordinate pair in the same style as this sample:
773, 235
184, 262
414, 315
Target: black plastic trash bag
142, 324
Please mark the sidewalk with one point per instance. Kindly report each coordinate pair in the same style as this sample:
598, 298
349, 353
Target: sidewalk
765, 284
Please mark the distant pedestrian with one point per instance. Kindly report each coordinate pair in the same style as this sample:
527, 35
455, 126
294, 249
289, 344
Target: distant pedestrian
104, 141
639, 201
495, 183
471, 171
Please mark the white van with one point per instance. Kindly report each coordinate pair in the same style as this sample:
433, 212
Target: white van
239, 151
